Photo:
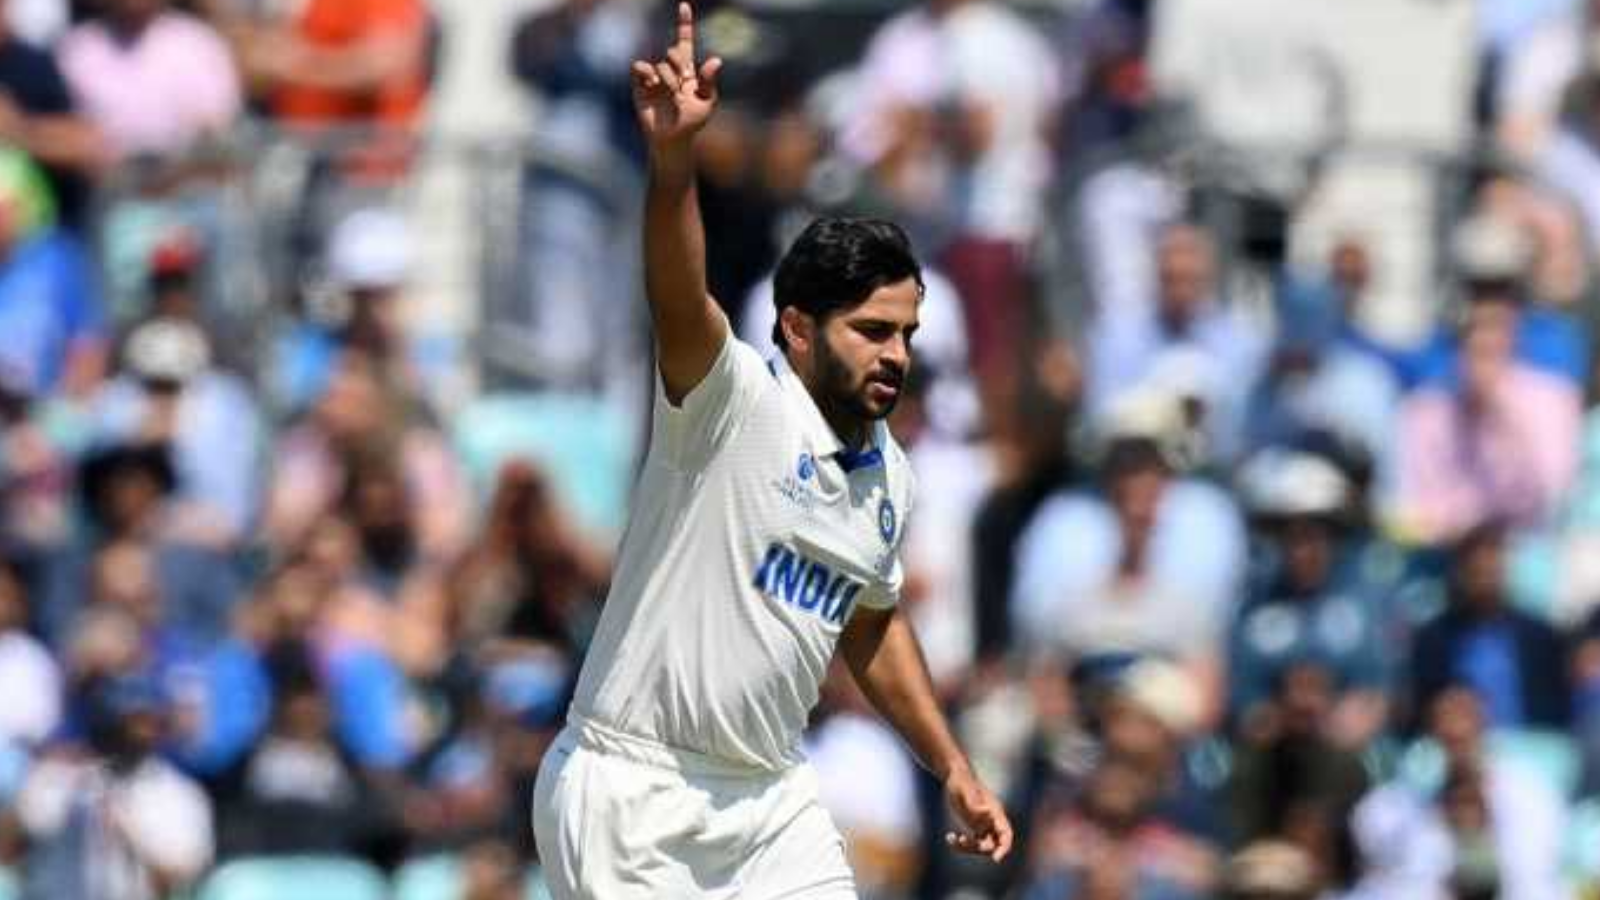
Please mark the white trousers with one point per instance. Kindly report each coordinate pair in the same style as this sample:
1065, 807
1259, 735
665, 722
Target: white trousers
617, 818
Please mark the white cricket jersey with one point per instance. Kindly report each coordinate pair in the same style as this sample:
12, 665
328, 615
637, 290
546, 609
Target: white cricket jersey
755, 533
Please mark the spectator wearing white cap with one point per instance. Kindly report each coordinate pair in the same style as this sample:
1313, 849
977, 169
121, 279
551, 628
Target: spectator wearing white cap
360, 303
1309, 604
169, 390
1149, 566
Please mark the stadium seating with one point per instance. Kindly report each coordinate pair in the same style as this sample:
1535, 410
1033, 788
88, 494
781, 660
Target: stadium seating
435, 877
302, 878
585, 445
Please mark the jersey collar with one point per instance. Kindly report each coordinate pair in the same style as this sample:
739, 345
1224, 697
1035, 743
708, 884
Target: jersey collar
818, 433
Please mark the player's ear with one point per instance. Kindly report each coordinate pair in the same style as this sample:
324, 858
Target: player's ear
799, 328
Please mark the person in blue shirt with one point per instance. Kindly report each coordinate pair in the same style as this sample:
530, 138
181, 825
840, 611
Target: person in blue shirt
1514, 662
1308, 604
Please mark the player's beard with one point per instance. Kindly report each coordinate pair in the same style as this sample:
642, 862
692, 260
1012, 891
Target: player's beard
843, 393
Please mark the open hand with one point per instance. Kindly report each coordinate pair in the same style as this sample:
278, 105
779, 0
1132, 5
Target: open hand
988, 829
673, 98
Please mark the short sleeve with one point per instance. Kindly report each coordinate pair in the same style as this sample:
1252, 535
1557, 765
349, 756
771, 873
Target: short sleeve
884, 593
690, 433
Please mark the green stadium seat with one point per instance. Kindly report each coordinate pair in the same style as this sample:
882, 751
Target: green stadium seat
439, 878
428, 878
299, 878
10, 884
1551, 756
585, 445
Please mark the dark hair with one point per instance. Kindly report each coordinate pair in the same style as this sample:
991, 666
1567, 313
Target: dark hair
837, 263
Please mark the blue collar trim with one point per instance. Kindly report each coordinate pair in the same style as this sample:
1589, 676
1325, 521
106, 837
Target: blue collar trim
850, 460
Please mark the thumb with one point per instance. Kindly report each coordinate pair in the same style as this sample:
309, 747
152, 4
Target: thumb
706, 84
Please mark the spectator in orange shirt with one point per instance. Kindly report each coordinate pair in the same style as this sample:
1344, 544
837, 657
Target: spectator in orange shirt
343, 62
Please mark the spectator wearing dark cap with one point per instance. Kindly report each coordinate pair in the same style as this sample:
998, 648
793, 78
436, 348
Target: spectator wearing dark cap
126, 491
168, 390
112, 820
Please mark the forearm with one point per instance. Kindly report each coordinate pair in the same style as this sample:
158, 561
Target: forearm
688, 325
887, 663
65, 141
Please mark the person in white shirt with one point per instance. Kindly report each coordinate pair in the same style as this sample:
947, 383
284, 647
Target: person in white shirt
765, 532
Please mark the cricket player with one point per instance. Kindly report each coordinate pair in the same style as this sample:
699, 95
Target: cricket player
765, 533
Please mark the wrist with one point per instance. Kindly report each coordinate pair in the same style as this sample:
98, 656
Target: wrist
955, 768
672, 161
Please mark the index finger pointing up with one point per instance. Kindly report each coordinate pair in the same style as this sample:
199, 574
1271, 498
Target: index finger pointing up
685, 39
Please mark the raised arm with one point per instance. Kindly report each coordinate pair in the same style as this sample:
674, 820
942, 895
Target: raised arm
674, 100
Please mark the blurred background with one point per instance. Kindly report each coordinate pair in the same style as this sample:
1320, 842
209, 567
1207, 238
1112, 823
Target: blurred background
1257, 552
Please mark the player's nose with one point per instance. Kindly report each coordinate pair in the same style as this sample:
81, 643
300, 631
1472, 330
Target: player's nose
897, 352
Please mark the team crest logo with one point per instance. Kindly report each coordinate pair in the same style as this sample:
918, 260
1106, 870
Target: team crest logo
806, 467
886, 522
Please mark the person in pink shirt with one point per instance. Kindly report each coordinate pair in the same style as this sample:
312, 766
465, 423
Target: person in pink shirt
156, 81
1502, 444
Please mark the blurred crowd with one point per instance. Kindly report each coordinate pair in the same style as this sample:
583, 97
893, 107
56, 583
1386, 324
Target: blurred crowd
1229, 592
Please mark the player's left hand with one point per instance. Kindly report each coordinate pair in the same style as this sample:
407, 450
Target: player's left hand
987, 828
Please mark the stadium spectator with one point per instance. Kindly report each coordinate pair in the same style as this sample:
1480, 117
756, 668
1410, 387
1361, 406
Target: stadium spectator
1317, 380
1033, 463
1485, 827
343, 64
1535, 75
955, 102
1501, 446
530, 575
297, 791
126, 491
367, 261
1514, 663
39, 116
33, 712
50, 306
1109, 841
112, 820
1152, 570
1294, 778
1186, 340
1107, 85
574, 58
359, 418
1310, 604
155, 81
169, 391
